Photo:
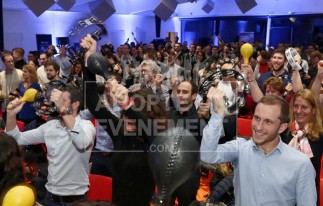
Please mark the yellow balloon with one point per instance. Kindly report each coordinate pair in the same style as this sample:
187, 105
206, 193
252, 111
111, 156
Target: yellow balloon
246, 51
21, 195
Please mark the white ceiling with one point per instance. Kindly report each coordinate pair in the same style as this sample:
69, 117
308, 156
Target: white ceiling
221, 7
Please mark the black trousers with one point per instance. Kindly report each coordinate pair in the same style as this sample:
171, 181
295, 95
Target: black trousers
101, 163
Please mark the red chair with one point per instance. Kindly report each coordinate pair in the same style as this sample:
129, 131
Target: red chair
321, 183
100, 188
244, 127
20, 125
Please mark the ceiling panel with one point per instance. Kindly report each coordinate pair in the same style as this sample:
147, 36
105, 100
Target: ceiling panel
194, 9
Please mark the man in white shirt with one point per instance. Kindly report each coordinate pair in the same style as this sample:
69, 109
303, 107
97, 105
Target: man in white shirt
69, 141
9, 79
41, 73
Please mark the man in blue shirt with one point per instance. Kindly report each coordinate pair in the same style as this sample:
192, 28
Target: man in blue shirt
266, 170
278, 61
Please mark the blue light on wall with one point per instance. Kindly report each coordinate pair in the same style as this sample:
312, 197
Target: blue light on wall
242, 26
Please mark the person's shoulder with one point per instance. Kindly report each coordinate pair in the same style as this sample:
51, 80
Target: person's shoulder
35, 85
294, 154
265, 75
40, 69
19, 71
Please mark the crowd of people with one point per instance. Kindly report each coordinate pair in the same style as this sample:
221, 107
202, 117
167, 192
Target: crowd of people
149, 89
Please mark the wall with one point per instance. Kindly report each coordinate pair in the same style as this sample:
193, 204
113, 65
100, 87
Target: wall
21, 27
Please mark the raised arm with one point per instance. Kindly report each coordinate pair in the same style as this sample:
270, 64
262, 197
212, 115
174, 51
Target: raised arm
296, 81
255, 91
211, 151
317, 83
92, 98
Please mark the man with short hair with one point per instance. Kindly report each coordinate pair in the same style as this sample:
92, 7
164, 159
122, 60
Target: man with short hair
18, 56
41, 73
52, 71
266, 170
278, 61
69, 141
64, 62
151, 79
185, 115
9, 79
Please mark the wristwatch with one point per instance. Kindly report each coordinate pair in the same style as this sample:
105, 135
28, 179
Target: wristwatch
66, 111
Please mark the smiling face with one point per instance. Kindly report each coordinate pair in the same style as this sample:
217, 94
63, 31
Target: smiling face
266, 126
303, 111
278, 61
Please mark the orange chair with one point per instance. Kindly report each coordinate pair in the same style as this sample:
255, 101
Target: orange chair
100, 188
244, 127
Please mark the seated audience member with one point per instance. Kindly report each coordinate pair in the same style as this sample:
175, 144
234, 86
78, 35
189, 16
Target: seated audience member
306, 128
69, 141
266, 170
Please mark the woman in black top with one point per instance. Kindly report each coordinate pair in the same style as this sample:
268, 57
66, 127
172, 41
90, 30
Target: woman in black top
306, 129
133, 182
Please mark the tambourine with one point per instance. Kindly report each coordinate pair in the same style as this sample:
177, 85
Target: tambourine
292, 55
78, 56
234, 76
42, 104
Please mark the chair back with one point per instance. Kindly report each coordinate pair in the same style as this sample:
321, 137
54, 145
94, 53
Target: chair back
20, 125
244, 127
100, 188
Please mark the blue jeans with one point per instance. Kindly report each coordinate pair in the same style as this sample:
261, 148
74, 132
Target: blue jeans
50, 202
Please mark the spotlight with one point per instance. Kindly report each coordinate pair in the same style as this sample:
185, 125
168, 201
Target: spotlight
292, 19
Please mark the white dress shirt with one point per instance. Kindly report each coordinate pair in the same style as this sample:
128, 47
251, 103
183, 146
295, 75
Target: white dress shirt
68, 153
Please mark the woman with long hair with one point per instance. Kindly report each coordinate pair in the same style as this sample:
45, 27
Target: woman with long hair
306, 128
75, 76
11, 171
30, 80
